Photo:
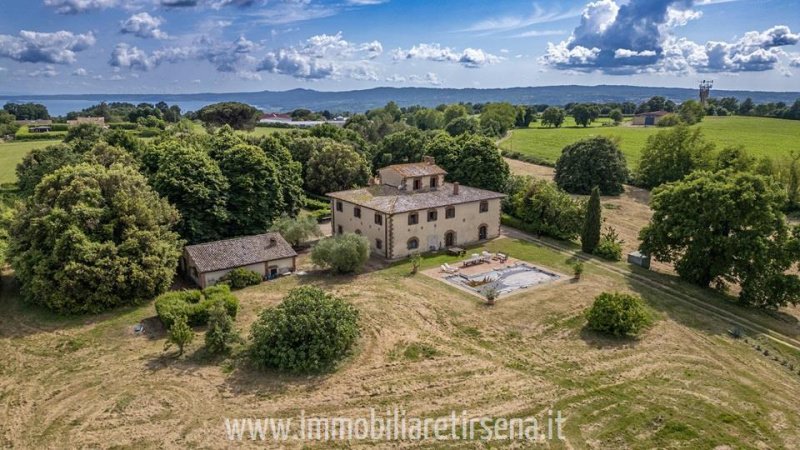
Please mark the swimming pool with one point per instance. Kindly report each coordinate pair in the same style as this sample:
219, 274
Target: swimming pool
505, 280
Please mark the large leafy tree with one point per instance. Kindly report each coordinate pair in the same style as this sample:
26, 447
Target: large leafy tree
345, 253
726, 227
194, 183
401, 147
463, 125
255, 197
596, 161
498, 118
41, 162
582, 115
553, 117
336, 167
545, 209
290, 173
480, 164
92, 238
672, 154
238, 116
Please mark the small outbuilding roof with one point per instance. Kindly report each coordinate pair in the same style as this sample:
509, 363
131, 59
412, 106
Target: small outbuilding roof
653, 113
238, 252
420, 169
391, 200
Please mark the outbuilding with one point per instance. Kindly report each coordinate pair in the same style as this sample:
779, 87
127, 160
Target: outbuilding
649, 118
269, 255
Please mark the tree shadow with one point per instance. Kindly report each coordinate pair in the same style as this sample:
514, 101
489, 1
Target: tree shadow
602, 341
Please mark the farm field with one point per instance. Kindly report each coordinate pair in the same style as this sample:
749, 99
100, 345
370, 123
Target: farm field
268, 131
426, 347
11, 153
760, 136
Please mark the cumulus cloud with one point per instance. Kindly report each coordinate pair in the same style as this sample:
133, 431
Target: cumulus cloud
143, 25
79, 6
470, 57
637, 37
80, 72
324, 56
795, 62
59, 47
429, 78
44, 72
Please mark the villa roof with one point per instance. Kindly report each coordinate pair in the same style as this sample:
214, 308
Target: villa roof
391, 200
238, 252
419, 169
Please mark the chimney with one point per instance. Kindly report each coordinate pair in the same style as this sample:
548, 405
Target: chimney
455, 188
272, 242
428, 160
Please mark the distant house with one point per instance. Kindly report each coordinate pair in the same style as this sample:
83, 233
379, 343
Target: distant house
100, 121
267, 254
40, 129
411, 209
649, 118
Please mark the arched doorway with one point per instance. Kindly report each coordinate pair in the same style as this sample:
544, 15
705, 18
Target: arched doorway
483, 232
450, 239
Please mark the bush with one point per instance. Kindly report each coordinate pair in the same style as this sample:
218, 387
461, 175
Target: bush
591, 162
618, 314
670, 120
195, 305
240, 278
220, 333
345, 253
546, 210
299, 229
610, 246
309, 331
180, 334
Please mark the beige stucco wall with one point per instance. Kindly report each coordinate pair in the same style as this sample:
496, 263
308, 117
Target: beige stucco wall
391, 178
365, 225
465, 224
206, 279
211, 278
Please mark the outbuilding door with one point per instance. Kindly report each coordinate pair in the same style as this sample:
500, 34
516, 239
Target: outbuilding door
649, 120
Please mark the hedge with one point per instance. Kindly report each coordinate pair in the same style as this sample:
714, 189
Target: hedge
526, 158
48, 136
240, 278
194, 304
123, 126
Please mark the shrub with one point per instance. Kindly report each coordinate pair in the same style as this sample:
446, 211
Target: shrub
309, 331
618, 314
220, 334
670, 120
596, 161
240, 278
345, 253
610, 246
298, 230
180, 334
577, 270
544, 209
195, 305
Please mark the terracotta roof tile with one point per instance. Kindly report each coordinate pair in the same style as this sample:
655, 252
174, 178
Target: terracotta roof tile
237, 252
391, 200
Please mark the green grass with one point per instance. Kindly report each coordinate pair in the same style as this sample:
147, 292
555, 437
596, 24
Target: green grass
11, 153
760, 136
268, 131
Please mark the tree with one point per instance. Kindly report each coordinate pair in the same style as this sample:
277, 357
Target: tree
27, 111
582, 115
41, 162
479, 164
463, 125
691, 112
195, 185
220, 333
454, 111
310, 331
255, 197
336, 167
726, 227
238, 116
429, 119
290, 173
83, 137
401, 147
180, 334
553, 117
344, 253
616, 115
498, 118
595, 161
670, 155
296, 230
240, 278
618, 314
545, 209
93, 238
610, 246
591, 225
7, 125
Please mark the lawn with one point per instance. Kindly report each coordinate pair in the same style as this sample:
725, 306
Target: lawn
760, 136
88, 381
268, 131
11, 153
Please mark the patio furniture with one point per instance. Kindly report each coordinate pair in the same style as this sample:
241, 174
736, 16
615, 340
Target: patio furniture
448, 269
456, 251
474, 261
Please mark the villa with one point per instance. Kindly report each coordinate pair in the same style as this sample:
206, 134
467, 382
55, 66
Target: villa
410, 209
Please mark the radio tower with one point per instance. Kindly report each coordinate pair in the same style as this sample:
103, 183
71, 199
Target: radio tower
705, 89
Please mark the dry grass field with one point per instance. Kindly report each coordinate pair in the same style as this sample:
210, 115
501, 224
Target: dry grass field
426, 347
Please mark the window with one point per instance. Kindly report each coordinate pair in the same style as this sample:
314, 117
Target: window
358, 232
339, 206
434, 182
378, 244
484, 207
417, 184
449, 213
413, 243
378, 219
413, 219
433, 215
339, 229
356, 212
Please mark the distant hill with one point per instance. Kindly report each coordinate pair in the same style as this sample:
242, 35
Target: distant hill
361, 100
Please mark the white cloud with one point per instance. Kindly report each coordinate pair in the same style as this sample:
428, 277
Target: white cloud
429, 78
47, 71
795, 62
80, 72
59, 47
324, 56
470, 57
143, 25
507, 23
79, 6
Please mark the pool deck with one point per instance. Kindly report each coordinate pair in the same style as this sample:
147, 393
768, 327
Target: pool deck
437, 274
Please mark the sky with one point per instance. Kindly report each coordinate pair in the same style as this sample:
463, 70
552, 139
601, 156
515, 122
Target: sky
187, 46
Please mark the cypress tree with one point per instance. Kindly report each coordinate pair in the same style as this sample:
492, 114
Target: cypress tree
591, 226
